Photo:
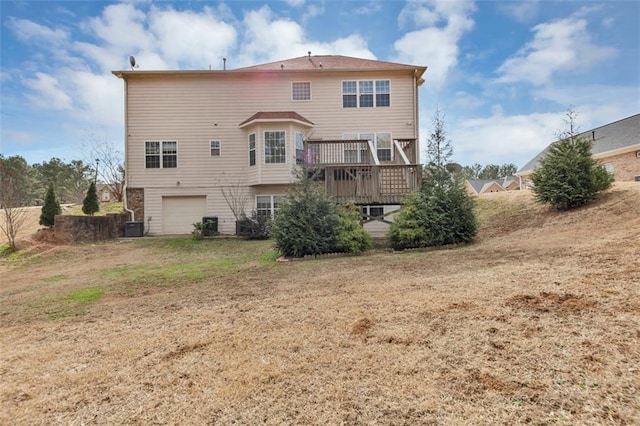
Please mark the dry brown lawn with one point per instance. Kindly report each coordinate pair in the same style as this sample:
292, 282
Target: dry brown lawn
537, 323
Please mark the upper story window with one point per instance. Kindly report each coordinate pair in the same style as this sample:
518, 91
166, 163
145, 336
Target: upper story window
301, 91
366, 93
252, 149
275, 147
161, 154
299, 148
215, 148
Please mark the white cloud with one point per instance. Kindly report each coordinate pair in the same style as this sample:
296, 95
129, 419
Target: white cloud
46, 92
28, 31
436, 45
558, 46
191, 39
521, 11
268, 38
295, 3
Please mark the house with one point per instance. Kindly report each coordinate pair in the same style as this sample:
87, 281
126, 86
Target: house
482, 186
616, 145
217, 143
106, 192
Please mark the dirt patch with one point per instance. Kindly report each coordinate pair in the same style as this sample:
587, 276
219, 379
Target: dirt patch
551, 302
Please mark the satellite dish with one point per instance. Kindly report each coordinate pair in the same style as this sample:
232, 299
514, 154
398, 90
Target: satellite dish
132, 62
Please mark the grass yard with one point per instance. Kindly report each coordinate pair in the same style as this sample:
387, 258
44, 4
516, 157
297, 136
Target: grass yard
537, 323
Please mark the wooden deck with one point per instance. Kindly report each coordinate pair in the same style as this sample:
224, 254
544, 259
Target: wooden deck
352, 171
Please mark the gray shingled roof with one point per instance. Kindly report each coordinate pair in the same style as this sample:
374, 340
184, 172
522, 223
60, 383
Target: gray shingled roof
479, 184
610, 137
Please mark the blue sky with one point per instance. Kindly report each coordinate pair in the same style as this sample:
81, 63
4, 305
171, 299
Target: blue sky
503, 73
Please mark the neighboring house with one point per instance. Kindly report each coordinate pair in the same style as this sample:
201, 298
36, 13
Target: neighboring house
482, 186
194, 138
105, 193
615, 145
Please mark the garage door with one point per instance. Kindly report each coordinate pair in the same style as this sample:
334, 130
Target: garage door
180, 213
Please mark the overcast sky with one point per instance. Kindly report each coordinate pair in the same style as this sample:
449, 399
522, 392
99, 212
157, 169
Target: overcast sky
503, 73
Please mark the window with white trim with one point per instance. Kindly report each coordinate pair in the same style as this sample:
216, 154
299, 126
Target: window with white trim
301, 90
252, 149
381, 141
369, 212
267, 205
215, 148
299, 147
275, 147
161, 154
366, 93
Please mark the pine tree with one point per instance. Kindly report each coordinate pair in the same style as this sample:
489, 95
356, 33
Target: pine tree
50, 208
568, 176
90, 204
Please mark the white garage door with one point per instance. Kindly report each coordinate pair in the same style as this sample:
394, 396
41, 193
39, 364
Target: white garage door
180, 213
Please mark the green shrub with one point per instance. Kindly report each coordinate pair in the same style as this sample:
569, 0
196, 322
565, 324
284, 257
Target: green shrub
306, 221
568, 176
440, 214
352, 237
50, 208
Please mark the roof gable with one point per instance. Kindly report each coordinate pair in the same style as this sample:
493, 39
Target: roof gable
276, 116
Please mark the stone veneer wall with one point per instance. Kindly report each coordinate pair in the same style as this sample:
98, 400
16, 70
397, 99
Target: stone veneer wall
135, 202
71, 229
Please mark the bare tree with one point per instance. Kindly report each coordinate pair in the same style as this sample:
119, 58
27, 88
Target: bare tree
108, 159
236, 196
13, 195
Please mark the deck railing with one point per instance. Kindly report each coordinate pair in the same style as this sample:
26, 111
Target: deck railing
408, 147
354, 151
372, 184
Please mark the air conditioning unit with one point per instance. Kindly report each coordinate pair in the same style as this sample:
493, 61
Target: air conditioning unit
133, 229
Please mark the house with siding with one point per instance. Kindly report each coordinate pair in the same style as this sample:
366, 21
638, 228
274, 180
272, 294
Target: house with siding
193, 138
616, 145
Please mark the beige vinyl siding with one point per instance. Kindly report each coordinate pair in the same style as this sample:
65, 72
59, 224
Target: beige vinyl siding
194, 109
215, 206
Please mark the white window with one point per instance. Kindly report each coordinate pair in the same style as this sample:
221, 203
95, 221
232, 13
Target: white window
161, 154
383, 146
267, 205
369, 212
106, 195
381, 141
252, 149
215, 148
349, 94
383, 93
299, 148
366, 93
275, 147
301, 90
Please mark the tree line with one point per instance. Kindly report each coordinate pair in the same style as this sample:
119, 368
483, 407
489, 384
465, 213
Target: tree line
29, 183
490, 171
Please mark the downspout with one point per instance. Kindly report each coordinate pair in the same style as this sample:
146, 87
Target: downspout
416, 117
126, 150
